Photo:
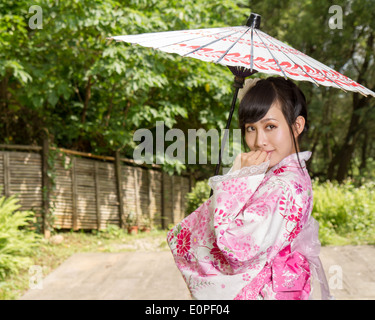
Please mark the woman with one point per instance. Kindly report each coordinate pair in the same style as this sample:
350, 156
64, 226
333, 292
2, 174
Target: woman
254, 238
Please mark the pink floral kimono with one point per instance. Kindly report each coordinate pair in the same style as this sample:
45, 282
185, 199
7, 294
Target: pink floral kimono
254, 238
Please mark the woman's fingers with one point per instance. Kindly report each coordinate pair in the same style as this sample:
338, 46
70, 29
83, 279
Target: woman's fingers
253, 158
262, 157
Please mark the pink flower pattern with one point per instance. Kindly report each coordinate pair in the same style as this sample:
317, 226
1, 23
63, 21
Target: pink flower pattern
298, 187
183, 241
279, 170
227, 247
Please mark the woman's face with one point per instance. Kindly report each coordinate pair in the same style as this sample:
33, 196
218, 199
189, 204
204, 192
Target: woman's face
272, 134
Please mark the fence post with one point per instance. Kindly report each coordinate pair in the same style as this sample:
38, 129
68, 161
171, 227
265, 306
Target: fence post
137, 195
119, 189
74, 194
149, 195
97, 195
6, 174
45, 188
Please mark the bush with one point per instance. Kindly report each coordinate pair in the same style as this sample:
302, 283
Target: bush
198, 195
17, 242
346, 213
111, 232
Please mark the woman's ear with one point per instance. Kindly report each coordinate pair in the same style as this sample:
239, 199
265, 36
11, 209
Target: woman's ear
299, 125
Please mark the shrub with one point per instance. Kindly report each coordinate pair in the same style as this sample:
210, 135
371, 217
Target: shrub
346, 213
198, 195
17, 242
111, 232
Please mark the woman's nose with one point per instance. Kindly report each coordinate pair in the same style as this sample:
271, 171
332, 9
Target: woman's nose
260, 140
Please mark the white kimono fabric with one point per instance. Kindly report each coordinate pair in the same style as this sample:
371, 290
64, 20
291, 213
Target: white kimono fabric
243, 242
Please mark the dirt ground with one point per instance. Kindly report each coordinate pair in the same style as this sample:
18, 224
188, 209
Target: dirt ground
148, 273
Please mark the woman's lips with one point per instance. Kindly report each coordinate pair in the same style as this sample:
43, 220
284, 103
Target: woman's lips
269, 154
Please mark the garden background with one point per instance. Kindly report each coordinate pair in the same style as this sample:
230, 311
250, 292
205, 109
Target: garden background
66, 82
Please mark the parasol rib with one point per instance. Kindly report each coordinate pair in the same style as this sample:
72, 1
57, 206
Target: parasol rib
348, 83
269, 51
317, 84
333, 81
252, 49
324, 75
201, 47
304, 61
226, 52
211, 34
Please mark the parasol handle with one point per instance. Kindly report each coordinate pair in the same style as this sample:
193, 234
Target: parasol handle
239, 80
238, 84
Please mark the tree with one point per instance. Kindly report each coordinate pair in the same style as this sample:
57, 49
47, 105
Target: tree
86, 93
90, 94
337, 119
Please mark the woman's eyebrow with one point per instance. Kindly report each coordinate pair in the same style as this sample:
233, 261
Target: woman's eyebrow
262, 121
268, 119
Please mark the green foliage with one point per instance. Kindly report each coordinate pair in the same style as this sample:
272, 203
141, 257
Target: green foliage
198, 195
91, 94
346, 213
17, 242
132, 219
111, 232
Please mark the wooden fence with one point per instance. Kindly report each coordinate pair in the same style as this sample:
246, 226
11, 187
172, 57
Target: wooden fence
83, 191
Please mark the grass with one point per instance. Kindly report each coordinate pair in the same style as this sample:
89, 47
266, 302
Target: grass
50, 255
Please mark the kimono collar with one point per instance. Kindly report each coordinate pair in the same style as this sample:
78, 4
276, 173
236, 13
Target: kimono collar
292, 159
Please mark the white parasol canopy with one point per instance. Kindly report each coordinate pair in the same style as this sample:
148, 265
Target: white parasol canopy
247, 47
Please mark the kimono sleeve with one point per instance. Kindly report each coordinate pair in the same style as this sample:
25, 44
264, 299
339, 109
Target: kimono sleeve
266, 224
195, 235
232, 191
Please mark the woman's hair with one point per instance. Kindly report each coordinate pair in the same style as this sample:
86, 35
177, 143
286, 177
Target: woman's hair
258, 100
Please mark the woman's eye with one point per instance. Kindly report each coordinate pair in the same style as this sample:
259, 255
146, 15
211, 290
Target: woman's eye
271, 126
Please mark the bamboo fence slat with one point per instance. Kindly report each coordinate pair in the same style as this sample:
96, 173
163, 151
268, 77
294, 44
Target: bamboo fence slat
89, 193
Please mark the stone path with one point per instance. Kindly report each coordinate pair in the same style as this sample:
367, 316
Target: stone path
148, 275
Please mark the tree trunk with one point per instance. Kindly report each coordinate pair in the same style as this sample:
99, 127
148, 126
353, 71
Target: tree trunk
110, 106
347, 149
4, 104
363, 165
344, 156
86, 102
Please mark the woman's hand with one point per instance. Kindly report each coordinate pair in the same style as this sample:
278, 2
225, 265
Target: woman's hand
250, 159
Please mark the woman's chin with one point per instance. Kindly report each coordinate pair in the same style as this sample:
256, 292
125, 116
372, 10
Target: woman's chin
273, 162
